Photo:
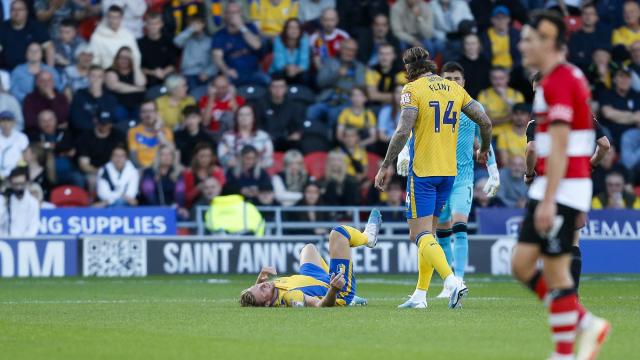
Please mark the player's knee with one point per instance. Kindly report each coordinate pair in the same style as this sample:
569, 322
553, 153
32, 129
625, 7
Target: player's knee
309, 248
339, 233
459, 227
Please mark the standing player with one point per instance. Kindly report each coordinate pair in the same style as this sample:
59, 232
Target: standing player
459, 204
561, 191
431, 107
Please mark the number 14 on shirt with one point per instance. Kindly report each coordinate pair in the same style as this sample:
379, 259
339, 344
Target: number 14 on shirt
448, 118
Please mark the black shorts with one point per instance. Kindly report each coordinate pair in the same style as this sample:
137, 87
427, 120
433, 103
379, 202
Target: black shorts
558, 243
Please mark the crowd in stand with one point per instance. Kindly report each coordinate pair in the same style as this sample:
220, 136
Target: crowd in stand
285, 102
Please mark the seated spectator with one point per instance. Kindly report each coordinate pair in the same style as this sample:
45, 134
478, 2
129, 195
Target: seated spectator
370, 41
279, 116
481, 200
311, 10
236, 49
158, 55
66, 44
500, 41
513, 191
630, 32
312, 197
195, 64
17, 33
171, 104
326, 41
246, 177
266, 197
210, 189
76, 76
339, 188
584, 42
20, 207
87, 101
40, 167
512, 142
144, 139
128, 85
270, 15
203, 165
8, 102
110, 37
394, 197
360, 119
289, 183
601, 71
245, 133
13, 143
356, 155
608, 164
620, 107
44, 97
383, 77
220, 104
389, 117
118, 181
447, 17
158, 184
191, 134
614, 197
291, 53
498, 99
630, 151
23, 76
232, 214
634, 65
357, 15
476, 66
176, 14
133, 14
412, 22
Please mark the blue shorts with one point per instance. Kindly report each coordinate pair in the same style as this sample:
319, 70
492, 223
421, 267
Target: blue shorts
427, 196
459, 201
314, 271
349, 291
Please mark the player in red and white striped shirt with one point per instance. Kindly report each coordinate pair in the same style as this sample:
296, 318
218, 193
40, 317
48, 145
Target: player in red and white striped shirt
562, 191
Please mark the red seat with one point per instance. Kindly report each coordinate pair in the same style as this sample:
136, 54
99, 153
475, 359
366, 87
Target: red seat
69, 196
315, 162
278, 163
374, 163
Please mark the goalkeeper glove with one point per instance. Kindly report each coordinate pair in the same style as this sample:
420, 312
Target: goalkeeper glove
403, 162
493, 184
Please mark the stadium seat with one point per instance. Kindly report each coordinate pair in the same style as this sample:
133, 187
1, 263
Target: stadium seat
374, 163
278, 163
69, 196
198, 92
252, 92
302, 94
315, 163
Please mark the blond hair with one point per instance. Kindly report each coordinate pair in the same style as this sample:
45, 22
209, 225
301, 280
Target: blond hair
247, 299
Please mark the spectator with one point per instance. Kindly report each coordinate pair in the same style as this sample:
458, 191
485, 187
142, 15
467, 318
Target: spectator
40, 167
127, 83
176, 14
290, 182
66, 44
203, 166
210, 189
389, 117
311, 10
630, 151
481, 200
118, 181
145, 138
584, 42
498, 99
610, 12
339, 188
600, 72
383, 77
279, 116
18, 33
620, 107
270, 15
158, 55
412, 23
158, 185
220, 104
630, 32
608, 164
326, 42
395, 197
171, 104
370, 41
356, 155
132, 13
245, 133
614, 197
231, 214
312, 197
195, 64
110, 37
512, 141
291, 53
513, 191
447, 17
634, 66
23, 76
190, 134
482, 10
357, 15
13, 143
247, 176
9, 103
44, 97
19, 208
236, 48
52, 14
266, 197
476, 66
76, 76
500, 41
86, 102
359, 118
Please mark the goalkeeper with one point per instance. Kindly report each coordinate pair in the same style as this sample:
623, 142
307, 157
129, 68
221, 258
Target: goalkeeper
458, 206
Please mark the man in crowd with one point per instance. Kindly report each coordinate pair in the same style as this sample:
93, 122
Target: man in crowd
620, 106
513, 191
144, 139
87, 101
378, 35
585, 41
19, 210
326, 42
501, 39
13, 143
157, 51
44, 97
110, 36
17, 33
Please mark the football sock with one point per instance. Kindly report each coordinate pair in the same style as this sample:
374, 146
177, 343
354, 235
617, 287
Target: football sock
538, 285
460, 249
335, 265
563, 319
444, 239
356, 238
429, 249
324, 265
425, 268
576, 265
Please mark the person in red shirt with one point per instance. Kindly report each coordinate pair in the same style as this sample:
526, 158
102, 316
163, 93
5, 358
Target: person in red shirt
204, 164
565, 141
220, 104
325, 43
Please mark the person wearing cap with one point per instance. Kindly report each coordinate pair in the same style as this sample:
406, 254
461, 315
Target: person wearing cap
13, 143
620, 106
500, 41
512, 141
66, 44
87, 100
76, 75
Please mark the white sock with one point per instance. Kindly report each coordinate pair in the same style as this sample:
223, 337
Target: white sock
451, 282
586, 321
419, 296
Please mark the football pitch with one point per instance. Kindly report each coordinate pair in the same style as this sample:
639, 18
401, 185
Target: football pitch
199, 318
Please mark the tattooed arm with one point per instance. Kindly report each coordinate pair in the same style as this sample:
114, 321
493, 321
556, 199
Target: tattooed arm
408, 118
476, 113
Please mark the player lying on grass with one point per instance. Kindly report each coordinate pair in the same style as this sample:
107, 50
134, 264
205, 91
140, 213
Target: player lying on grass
317, 284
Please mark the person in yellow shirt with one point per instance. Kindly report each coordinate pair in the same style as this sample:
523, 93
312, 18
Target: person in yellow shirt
630, 32
356, 159
500, 41
171, 104
358, 117
145, 139
382, 78
513, 141
270, 15
614, 196
498, 99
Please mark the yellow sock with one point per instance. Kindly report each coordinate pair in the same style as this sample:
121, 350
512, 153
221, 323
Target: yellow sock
323, 265
425, 272
430, 257
355, 237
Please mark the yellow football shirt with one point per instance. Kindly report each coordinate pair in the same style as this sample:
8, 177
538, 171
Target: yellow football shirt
364, 120
624, 36
512, 142
145, 143
496, 107
439, 103
359, 154
500, 49
291, 290
271, 18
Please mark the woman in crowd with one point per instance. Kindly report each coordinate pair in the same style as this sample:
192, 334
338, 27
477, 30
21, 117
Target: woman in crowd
245, 133
247, 177
291, 53
388, 118
203, 165
289, 183
41, 167
170, 106
339, 188
127, 83
312, 197
24, 75
118, 180
158, 185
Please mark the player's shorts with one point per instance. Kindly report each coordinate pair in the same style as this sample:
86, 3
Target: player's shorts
349, 291
427, 196
459, 201
560, 240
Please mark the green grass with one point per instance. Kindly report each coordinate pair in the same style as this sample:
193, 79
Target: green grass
192, 318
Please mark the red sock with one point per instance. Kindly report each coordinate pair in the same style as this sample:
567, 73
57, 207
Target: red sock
563, 319
538, 285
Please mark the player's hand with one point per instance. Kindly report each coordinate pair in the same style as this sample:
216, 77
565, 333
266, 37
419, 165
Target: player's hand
544, 217
337, 280
381, 178
270, 270
482, 157
403, 162
528, 178
493, 184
